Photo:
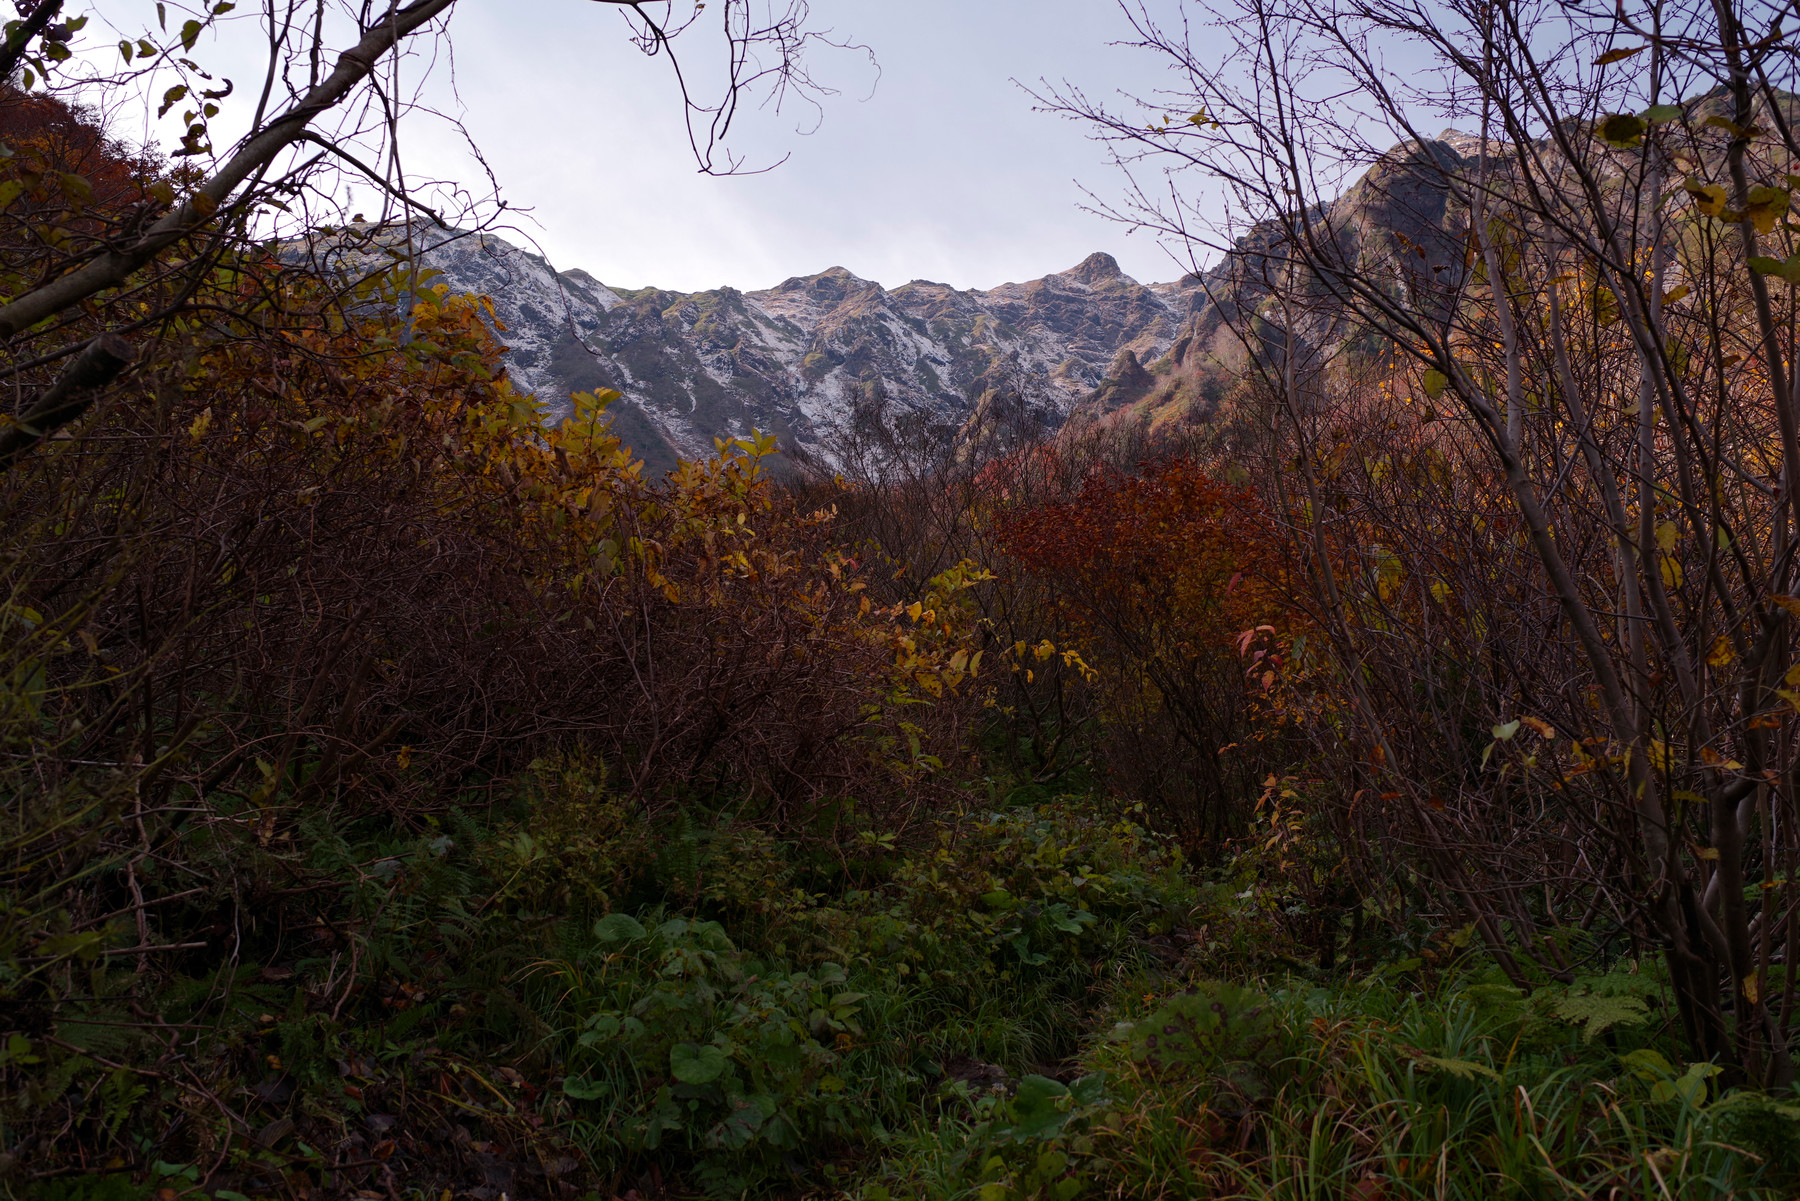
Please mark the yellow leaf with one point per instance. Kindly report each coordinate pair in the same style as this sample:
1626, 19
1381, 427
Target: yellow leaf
1764, 206
1722, 653
1709, 198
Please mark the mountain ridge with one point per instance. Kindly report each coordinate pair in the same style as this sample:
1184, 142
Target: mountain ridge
803, 358
811, 356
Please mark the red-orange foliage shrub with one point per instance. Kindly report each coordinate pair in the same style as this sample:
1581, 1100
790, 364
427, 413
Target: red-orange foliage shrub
1157, 576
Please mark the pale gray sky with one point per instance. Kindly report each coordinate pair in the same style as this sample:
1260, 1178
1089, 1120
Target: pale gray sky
943, 173
938, 170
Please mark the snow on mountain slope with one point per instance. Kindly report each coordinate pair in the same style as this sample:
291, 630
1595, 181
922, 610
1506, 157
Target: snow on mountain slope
800, 358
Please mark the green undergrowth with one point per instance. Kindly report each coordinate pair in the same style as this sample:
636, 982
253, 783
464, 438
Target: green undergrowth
1377, 1085
562, 998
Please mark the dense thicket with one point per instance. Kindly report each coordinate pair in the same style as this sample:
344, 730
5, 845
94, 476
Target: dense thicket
313, 565
1381, 791
1527, 395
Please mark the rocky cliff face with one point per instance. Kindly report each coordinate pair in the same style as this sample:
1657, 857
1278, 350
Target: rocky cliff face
1084, 346
1396, 222
800, 358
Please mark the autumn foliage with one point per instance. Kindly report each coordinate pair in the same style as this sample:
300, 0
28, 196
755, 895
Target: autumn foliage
1169, 583
314, 566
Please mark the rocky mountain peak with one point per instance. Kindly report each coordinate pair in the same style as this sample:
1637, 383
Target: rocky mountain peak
1096, 268
832, 280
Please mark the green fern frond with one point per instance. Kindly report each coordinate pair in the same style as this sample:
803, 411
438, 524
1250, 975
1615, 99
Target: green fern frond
1599, 1013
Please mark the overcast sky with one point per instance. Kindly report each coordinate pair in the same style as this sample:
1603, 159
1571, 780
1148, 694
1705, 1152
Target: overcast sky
935, 167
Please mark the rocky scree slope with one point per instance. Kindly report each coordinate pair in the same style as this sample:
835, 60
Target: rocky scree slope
803, 359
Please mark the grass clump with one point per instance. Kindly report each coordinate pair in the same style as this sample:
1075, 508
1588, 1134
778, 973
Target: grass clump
1377, 1084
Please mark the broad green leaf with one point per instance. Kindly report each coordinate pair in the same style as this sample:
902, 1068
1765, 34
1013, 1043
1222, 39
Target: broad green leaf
1090, 1089
692, 1063
740, 1126
190, 33
1690, 1086
600, 1028
1435, 383
1646, 1064
1040, 1107
1787, 269
619, 927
